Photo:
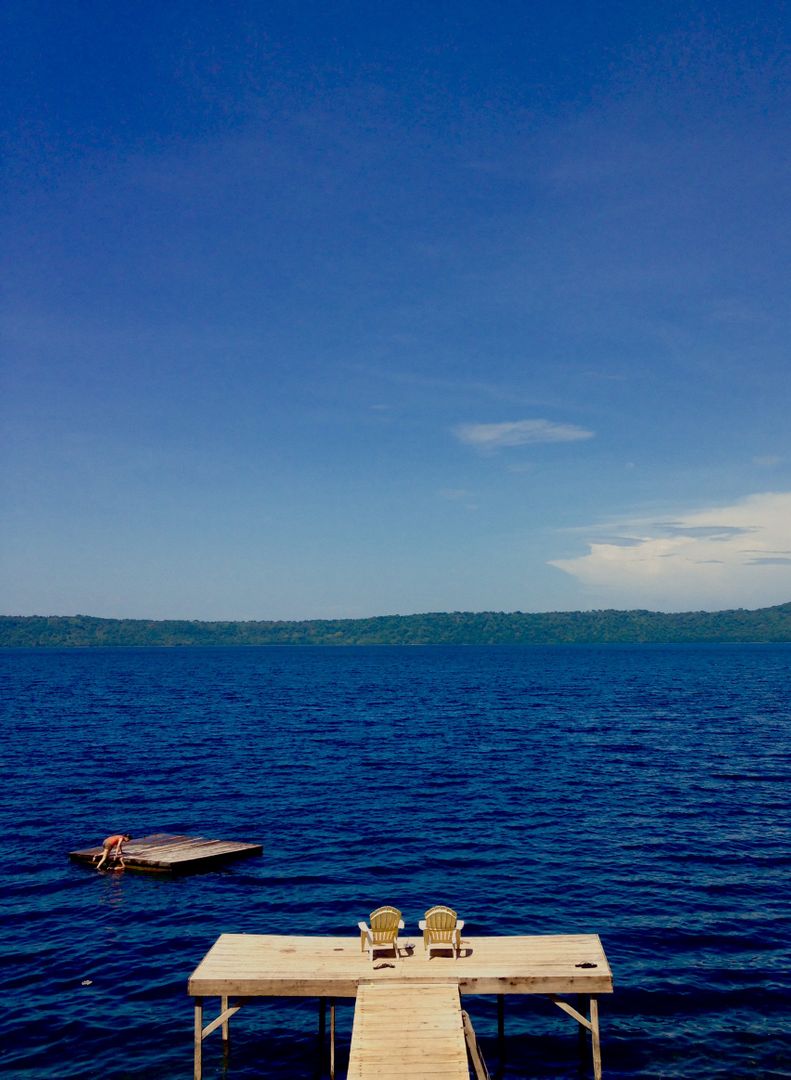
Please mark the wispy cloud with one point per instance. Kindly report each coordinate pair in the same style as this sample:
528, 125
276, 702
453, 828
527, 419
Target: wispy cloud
519, 433
461, 496
735, 555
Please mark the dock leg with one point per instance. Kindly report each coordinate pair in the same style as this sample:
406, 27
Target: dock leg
226, 1029
198, 1038
591, 1025
501, 1026
595, 1039
332, 1039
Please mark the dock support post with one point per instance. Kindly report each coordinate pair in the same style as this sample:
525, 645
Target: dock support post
198, 1038
332, 1038
596, 1045
590, 1024
226, 1028
500, 1026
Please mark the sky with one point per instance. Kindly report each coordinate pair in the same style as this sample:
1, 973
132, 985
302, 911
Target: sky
332, 310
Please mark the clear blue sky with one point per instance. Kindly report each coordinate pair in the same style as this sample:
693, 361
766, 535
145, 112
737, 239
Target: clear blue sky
340, 309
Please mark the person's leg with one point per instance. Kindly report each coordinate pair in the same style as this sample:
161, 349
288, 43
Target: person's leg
103, 859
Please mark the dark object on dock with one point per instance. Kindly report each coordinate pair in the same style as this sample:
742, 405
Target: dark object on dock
165, 853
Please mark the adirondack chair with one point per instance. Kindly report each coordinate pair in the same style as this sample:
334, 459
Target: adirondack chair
383, 931
441, 930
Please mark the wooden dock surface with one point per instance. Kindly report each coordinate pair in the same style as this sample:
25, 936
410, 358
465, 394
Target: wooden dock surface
264, 965
168, 853
241, 967
408, 1029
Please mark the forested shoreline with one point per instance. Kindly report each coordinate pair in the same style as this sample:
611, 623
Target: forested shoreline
772, 624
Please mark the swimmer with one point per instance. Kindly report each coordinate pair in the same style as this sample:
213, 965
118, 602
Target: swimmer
113, 848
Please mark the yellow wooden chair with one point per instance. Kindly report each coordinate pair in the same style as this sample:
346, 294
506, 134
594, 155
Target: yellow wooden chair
442, 930
383, 931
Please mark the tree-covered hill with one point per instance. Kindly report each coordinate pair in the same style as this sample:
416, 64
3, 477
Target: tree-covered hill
771, 624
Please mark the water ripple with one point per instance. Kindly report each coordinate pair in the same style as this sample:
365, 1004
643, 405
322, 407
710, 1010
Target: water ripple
639, 793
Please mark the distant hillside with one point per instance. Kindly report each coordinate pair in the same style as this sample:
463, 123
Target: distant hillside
439, 628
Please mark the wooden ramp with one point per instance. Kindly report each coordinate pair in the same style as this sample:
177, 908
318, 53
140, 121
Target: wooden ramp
408, 1029
165, 853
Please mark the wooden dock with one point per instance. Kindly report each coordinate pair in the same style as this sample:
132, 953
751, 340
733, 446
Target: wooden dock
246, 966
165, 853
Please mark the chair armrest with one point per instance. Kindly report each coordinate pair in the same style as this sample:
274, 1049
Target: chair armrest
366, 937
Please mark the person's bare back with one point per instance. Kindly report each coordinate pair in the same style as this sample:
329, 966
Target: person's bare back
113, 848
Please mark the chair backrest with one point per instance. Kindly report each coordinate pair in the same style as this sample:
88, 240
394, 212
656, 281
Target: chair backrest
384, 923
441, 923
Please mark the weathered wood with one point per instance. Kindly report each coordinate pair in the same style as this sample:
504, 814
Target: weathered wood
221, 1020
572, 1012
332, 1040
198, 1039
267, 965
168, 853
410, 1030
478, 1064
595, 1039
226, 1015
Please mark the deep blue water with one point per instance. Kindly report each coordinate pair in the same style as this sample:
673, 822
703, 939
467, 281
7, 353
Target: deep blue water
641, 793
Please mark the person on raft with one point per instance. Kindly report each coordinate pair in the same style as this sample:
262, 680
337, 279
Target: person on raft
113, 848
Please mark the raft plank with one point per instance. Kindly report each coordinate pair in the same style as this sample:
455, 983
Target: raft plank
169, 853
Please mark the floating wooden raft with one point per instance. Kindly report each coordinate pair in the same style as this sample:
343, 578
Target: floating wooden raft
166, 853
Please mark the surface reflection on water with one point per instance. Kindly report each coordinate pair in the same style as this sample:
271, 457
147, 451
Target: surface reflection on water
636, 792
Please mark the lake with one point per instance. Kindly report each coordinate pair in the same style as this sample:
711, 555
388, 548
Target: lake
637, 792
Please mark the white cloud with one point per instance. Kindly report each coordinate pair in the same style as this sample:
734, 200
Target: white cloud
727, 556
459, 495
519, 433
